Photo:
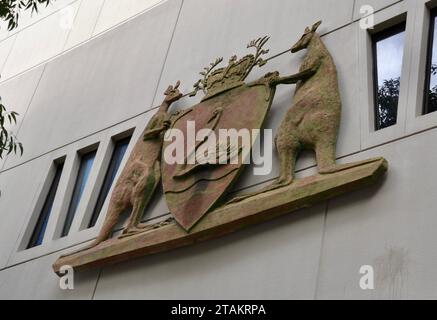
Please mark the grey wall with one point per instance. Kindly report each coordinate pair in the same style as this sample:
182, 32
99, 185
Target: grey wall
109, 85
59, 27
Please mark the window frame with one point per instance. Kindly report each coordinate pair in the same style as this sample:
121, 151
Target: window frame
105, 184
45, 213
70, 215
429, 53
375, 38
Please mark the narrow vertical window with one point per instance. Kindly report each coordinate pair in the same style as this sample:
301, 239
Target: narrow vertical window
86, 164
43, 219
430, 101
388, 52
117, 156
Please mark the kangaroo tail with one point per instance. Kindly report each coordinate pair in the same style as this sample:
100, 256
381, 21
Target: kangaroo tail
109, 224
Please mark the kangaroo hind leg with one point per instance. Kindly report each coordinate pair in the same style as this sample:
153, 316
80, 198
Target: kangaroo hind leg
142, 195
287, 158
325, 154
326, 160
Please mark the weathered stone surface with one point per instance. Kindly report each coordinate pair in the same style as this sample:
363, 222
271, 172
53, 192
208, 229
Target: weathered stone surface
192, 195
142, 173
302, 193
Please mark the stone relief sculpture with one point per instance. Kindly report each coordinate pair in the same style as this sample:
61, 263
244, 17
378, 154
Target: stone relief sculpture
195, 192
313, 121
142, 173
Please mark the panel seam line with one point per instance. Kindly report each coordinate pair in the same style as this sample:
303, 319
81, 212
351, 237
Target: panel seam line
322, 243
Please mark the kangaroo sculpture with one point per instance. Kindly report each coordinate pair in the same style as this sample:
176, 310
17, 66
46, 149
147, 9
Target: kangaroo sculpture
313, 121
141, 175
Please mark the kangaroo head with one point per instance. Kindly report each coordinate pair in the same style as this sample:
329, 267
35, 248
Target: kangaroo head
306, 38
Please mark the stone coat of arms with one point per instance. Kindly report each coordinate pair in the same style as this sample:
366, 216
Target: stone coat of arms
195, 190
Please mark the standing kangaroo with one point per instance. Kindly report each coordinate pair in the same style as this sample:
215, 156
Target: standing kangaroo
141, 175
313, 121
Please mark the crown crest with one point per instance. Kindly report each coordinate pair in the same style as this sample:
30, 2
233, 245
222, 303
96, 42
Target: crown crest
215, 80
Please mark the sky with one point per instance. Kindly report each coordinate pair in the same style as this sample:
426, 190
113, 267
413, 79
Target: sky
390, 55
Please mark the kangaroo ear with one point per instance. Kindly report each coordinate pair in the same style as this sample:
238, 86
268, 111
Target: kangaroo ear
307, 30
316, 26
168, 91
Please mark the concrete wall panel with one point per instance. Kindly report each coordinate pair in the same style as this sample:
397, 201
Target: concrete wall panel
16, 95
18, 192
231, 25
34, 280
4, 32
375, 4
5, 50
115, 11
61, 26
391, 228
28, 17
278, 260
97, 85
84, 22
38, 43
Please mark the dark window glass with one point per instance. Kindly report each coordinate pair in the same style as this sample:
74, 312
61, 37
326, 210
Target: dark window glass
43, 219
114, 165
430, 101
86, 165
388, 52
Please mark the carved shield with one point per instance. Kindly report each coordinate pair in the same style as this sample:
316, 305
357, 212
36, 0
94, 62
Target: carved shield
192, 193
